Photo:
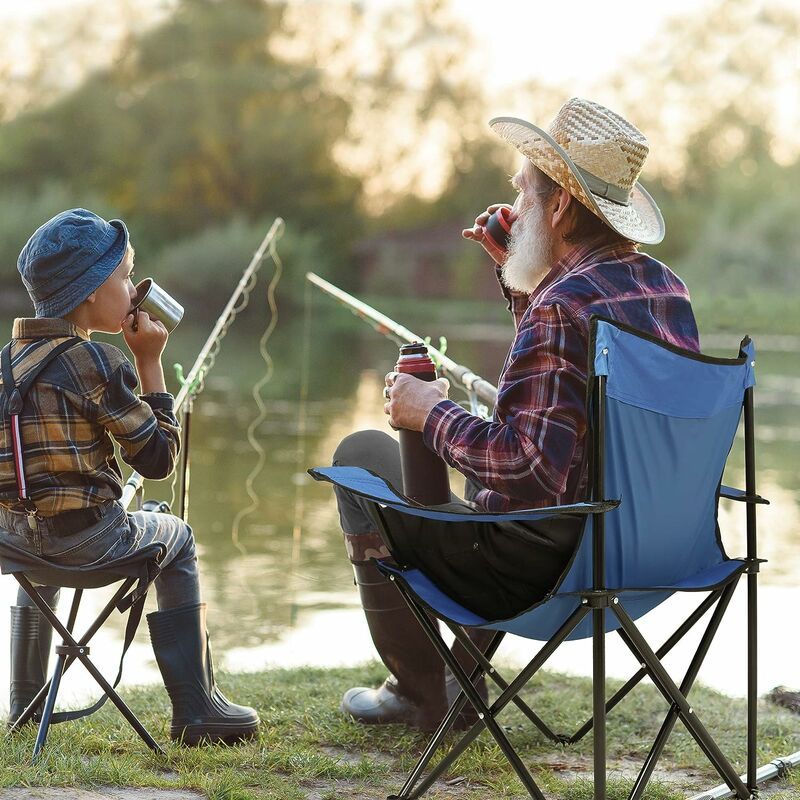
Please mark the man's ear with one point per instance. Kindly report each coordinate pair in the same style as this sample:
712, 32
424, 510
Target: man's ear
563, 202
91, 298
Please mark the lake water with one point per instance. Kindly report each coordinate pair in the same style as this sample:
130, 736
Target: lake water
281, 592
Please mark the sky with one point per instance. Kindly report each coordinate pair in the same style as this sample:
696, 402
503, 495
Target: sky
578, 40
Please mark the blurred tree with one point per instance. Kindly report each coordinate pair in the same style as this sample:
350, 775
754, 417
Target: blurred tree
710, 79
196, 121
407, 70
351, 117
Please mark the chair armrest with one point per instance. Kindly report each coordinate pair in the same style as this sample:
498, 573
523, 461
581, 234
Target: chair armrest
367, 484
729, 493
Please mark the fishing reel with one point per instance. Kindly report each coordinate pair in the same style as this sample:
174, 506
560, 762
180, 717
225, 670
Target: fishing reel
159, 506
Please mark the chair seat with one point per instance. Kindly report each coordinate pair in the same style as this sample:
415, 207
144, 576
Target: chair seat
531, 619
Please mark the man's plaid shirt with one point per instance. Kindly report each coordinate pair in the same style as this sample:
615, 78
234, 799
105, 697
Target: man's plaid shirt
532, 452
80, 400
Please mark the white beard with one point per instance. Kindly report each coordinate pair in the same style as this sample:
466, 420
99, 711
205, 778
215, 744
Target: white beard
530, 251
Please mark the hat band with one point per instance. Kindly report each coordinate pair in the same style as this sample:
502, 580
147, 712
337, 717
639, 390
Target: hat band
599, 187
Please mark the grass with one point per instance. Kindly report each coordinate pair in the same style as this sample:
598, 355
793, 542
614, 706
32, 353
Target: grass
306, 748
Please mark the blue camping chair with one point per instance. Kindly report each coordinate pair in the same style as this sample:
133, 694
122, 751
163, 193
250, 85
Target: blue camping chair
662, 422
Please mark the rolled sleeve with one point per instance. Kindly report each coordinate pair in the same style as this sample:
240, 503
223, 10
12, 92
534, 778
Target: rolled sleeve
144, 426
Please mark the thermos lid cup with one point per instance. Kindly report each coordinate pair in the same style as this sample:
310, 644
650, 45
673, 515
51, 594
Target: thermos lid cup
498, 227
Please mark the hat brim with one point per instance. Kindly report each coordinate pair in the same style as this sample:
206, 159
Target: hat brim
640, 220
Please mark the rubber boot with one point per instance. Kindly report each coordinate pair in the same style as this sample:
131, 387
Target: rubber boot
31, 637
200, 712
414, 693
468, 716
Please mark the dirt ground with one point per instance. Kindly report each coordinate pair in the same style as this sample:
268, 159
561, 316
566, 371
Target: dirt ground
314, 792
107, 793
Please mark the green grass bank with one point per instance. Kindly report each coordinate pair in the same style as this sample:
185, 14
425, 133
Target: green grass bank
307, 749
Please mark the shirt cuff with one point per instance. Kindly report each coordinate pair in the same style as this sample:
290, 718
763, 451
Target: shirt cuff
437, 425
491, 501
160, 400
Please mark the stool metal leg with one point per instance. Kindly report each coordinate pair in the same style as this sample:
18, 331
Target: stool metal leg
121, 705
55, 680
74, 649
85, 639
49, 705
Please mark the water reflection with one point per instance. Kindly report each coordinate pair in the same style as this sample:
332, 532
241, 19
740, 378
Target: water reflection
284, 593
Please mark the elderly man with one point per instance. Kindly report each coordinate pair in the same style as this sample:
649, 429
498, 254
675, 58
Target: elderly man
579, 216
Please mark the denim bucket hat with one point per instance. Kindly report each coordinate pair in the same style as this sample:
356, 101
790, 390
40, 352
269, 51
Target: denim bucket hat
69, 257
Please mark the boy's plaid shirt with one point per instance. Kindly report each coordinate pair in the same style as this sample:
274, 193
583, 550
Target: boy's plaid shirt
80, 400
532, 452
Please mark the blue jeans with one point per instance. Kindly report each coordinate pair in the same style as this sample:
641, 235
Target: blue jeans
116, 534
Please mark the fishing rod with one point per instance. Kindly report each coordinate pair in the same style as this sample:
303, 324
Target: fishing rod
193, 382
476, 387
778, 768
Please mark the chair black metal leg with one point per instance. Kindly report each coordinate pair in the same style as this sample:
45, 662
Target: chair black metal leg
447, 723
672, 693
636, 678
752, 682
513, 689
73, 611
599, 701
484, 713
752, 586
44, 725
691, 675
490, 670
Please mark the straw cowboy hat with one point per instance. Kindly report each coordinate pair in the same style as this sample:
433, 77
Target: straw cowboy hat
597, 156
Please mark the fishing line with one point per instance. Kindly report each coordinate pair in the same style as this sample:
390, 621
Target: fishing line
255, 501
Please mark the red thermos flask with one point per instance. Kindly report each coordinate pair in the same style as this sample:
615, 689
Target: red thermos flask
425, 477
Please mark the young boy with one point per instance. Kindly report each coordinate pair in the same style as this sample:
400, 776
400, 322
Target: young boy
77, 269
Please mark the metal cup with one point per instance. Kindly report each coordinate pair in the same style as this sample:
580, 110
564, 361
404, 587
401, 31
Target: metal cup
150, 297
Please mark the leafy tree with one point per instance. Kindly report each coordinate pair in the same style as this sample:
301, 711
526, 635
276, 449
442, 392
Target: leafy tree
195, 122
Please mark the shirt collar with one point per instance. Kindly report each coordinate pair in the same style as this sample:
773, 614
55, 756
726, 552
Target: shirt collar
595, 251
45, 328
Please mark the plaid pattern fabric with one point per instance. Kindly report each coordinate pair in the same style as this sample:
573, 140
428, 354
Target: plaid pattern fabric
81, 400
532, 453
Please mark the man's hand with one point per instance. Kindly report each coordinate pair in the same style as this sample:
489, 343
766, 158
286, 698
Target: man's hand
477, 233
409, 400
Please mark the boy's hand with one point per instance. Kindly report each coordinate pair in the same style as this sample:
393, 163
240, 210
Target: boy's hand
146, 337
